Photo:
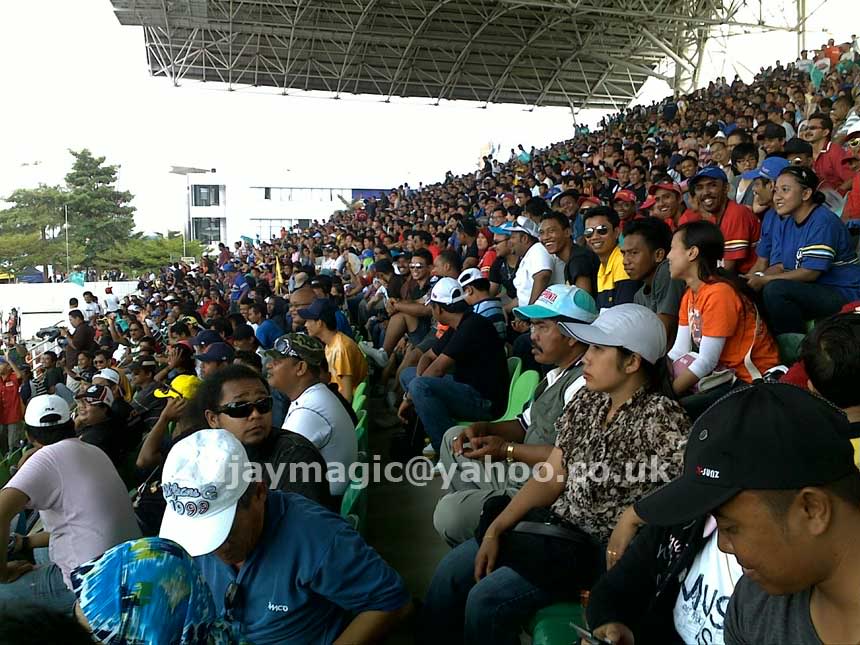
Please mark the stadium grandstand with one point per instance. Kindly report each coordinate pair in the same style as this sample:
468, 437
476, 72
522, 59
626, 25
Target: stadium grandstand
459, 404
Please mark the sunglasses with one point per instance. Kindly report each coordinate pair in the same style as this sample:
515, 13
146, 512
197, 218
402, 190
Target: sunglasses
417, 266
600, 230
165, 388
243, 409
232, 600
284, 347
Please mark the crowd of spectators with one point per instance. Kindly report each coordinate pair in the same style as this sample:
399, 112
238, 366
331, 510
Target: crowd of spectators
657, 277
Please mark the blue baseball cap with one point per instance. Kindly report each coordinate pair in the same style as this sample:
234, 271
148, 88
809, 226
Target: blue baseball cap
559, 300
708, 172
522, 225
504, 229
317, 309
207, 337
769, 169
228, 267
217, 353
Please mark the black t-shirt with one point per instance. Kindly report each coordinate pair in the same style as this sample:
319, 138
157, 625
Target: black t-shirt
502, 273
479, 357
582, 262
469, 250
108, 436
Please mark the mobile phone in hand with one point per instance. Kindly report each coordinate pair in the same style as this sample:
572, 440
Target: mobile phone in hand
589, 637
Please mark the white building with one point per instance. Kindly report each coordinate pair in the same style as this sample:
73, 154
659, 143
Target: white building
221, 209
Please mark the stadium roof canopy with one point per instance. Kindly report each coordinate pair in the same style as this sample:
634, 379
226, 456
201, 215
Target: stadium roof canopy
573, 53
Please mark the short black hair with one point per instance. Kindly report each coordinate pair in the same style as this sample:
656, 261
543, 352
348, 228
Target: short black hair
603, 211
481, 284
831, 355
556, 216
425, 255
451, 257
826, 121
846, 488
46, 435
251, 359
76, 313
654, 231
536, 206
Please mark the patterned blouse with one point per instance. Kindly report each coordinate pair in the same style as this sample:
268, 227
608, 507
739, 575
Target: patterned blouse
610, 468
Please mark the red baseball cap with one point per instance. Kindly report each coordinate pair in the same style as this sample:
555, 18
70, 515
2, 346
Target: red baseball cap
625, 196
590, 200
648, 203
675, 188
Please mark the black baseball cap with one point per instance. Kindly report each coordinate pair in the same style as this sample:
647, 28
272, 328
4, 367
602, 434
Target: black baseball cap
244, 332
797, 146
318, 309
772, 131
768, 436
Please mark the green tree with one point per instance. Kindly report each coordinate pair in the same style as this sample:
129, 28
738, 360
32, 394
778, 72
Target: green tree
101, 218
143, 254
31, 230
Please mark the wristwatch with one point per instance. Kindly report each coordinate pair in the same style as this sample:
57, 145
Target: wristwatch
509, 453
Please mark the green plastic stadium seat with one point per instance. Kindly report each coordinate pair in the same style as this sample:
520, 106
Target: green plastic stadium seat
361, 432
521, 393
515, 367
789, 347
360, 390
358, 402
551, 625
353, 508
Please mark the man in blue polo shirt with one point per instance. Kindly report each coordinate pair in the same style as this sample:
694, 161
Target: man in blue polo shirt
282, 569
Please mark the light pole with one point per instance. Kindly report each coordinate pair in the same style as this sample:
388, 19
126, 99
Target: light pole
187, 171
66, 227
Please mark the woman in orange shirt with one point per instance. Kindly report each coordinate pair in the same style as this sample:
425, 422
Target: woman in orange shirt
719, 327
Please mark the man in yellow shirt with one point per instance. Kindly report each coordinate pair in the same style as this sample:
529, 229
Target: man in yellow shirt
346, 363
614, 286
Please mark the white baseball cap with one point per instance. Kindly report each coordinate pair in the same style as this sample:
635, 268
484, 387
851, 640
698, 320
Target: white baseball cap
202, 481
469, 276
47, 410
446, 291
522, 225
630, 326
108, 374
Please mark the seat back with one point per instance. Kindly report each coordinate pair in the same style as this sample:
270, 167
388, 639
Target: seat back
358, 402
360, 390
789, 347
515, 367
353, 507
361, 432
521, 393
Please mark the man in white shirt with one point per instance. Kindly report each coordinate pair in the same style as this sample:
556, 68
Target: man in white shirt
80, 498
315, 412
91, 308
537, 268
111, 300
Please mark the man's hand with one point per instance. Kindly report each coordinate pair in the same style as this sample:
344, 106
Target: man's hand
403, 410
756, 282
477, 429
487, 446
519, 326
14, 570
617, 633
174, 409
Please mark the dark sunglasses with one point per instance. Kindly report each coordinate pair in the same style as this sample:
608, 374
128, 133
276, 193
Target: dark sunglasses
243, 409
232, 600
166, 388
600, 230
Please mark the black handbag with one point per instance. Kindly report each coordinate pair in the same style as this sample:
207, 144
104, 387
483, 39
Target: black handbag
149, 504
547, 550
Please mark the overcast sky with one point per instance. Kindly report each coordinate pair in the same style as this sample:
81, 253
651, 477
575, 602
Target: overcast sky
73, 77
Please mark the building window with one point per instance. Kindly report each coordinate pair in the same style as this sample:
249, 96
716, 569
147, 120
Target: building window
267, 193
205, 195
206, 229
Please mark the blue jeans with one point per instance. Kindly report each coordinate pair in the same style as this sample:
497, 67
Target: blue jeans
43, 587
440, 401
789, 304
457, 610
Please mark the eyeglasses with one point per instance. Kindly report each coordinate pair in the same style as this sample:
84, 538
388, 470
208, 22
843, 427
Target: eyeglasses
243, 409
418, 266
232, 601
600, 230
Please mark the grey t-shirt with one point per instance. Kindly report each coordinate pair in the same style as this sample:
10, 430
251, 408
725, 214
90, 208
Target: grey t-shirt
664, 295
756, 618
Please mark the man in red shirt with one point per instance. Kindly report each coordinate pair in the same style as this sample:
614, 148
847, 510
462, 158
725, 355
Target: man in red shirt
11, 408
740, 227
852, 162
827, 156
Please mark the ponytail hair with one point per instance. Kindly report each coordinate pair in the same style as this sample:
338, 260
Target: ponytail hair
708, 238
807, 179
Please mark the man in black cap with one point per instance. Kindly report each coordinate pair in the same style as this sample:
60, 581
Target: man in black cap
773, 465
772, 140
798, 152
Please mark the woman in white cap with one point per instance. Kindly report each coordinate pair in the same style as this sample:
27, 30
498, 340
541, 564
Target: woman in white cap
617, 438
